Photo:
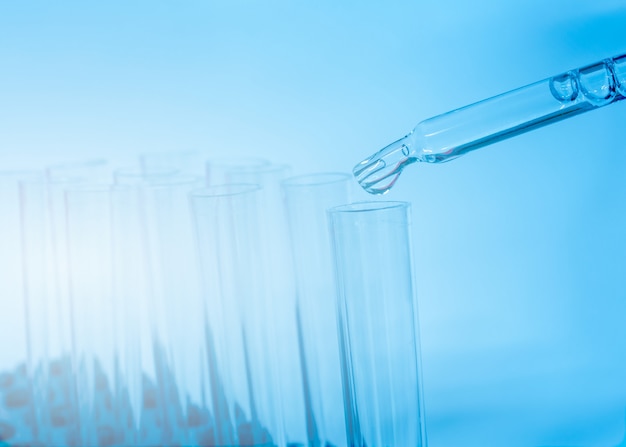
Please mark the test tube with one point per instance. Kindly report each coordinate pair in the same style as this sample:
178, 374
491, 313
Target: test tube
132, 288
17, 421
96, 341
177, 306
96, 170
137, 271
277, 274
239, 357
48, 310
378, 324
220, 171
186, 162
307, 198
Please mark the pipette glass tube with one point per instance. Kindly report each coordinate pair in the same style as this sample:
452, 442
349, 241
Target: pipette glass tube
452, 134
378, 327
307, 198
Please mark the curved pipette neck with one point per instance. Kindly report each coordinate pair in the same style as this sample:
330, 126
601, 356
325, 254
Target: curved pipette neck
378, 173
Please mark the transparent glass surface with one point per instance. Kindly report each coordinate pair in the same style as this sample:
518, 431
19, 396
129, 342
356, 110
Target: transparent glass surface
452, 134
97, 170
378, 324
307, 198
237, 315
17, 419
177, 325
95, 314
219, 171
48, 310
129, 294
167, 305
184, 162
277, 274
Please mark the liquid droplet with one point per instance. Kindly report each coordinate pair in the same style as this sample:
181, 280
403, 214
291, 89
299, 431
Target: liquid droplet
378, 173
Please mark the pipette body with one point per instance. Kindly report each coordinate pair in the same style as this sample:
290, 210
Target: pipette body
447, 136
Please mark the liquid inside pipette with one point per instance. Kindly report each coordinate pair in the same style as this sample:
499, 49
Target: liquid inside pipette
450, 135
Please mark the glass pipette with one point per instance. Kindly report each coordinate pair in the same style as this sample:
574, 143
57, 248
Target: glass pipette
452, 134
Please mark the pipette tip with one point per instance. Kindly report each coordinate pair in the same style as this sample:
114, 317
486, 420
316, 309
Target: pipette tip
377, 174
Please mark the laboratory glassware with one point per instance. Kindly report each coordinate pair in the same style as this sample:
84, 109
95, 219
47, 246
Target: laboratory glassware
187, 162
96, 170
378, 324
94, 310
17, 419
48, 309
176, 304
129, 292
220, 171
277, 268
447, 136
307, 198
168, 304
237, 316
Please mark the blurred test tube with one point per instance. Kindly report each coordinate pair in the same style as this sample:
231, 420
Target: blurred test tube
240, 357
307, 198
17, 419
48, 308
96, 312
278, 283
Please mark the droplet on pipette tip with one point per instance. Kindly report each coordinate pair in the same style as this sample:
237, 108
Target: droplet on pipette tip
377, 174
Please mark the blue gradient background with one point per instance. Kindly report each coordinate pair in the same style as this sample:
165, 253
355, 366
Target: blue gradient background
519, 247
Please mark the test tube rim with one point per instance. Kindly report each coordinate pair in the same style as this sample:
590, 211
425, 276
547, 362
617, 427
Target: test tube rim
52, 171
173, 152
368, 206
139, 176
22, 174
208, 192
316, 179
236, 164
78, 187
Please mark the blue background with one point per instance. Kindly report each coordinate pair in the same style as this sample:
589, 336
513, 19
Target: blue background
519, 247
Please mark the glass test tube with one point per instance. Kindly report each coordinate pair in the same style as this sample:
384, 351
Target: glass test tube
48, 309
94, 171
17, 419
187, 162
243, 399
177, 304
378, 324
219, 171
277, 268
95, 314
307, 198
136, 270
